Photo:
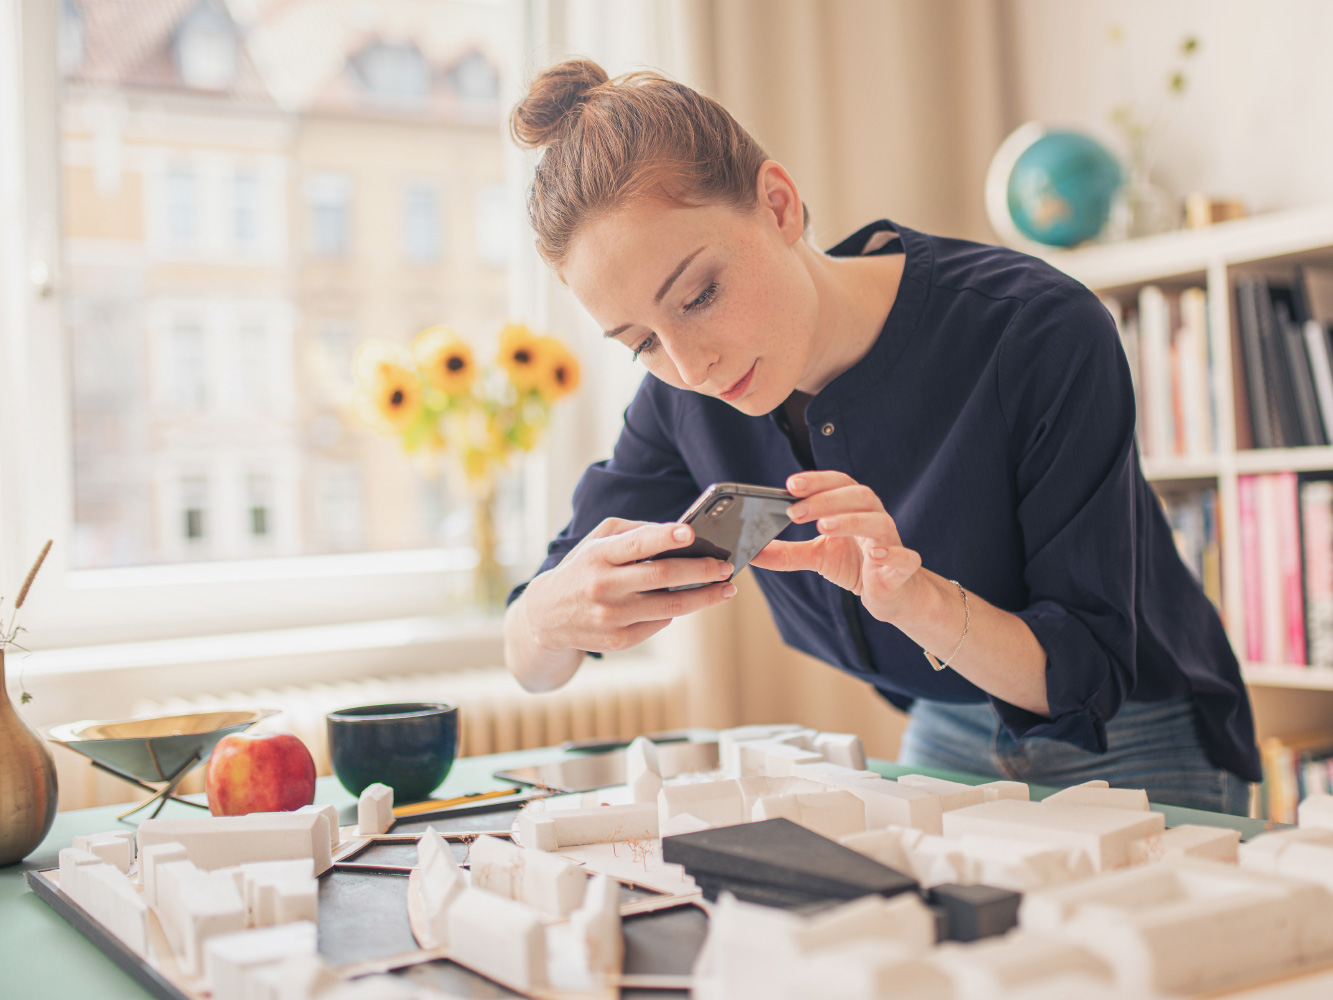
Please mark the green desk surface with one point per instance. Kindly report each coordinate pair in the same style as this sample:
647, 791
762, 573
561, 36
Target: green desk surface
43, 956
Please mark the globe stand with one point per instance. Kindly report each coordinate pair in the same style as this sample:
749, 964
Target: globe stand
161, 795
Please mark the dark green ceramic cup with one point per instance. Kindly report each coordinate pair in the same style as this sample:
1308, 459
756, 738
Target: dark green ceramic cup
408, 746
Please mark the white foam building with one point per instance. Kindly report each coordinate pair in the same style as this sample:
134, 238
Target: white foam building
213, 842
193, 906
231, 961
374, 810
548, 882
107, 894
1189, 926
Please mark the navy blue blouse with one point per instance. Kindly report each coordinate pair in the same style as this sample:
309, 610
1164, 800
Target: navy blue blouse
994, 417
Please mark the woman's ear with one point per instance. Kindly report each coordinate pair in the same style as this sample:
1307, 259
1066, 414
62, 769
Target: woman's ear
779, 198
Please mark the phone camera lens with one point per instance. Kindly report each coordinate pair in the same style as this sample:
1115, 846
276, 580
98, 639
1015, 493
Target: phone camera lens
719, 508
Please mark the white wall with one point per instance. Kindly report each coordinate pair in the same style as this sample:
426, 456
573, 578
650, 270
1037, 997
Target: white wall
1256, 120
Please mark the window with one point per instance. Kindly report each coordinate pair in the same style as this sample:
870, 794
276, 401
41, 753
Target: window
245, 208
394, 73
495, 222
182, 208
329, 196
194, 510
421, 224
197, 463
188, 385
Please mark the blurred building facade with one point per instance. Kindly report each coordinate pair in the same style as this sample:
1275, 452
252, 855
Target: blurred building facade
250, 190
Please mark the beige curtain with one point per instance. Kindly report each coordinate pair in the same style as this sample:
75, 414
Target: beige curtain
879, 108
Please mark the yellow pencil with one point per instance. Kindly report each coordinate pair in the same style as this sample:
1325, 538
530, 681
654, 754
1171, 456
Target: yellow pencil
434, 805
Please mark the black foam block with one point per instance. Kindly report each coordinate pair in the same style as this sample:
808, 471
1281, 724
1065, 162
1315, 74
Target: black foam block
757, 892
783, 855
976, 911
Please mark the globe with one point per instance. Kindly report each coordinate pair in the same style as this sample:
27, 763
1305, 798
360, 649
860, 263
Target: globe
1053, 187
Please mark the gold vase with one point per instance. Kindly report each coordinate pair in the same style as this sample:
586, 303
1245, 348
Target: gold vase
27, 782
488, 579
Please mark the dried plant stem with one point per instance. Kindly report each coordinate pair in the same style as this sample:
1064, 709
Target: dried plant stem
23, 591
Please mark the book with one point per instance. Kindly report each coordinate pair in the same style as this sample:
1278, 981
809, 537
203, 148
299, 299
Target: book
1298, 363
1198, 435
1286, 762
1155, 366
1262, 423
1293, 586
1247, 490
1278, 377
1321, 371
1312, 294
1316, 497
1271, 579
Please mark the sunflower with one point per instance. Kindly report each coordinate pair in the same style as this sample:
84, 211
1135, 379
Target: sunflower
445, 360
520, 356
389, 391
560, 370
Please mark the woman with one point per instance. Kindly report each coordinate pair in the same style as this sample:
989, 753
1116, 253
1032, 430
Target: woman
957, 419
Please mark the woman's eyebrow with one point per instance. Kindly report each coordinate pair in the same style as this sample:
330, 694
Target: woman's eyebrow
661, 292
666, 287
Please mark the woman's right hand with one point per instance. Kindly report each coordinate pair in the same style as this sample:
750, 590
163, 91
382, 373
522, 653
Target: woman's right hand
601, 596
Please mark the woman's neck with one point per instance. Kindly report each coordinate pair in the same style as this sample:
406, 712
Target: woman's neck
855, 296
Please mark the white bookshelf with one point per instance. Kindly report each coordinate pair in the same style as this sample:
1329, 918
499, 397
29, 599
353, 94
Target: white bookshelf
1213, 258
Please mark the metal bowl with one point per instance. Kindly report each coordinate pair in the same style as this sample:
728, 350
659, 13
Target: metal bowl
157, 748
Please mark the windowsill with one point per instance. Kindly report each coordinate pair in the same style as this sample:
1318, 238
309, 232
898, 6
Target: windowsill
105, 682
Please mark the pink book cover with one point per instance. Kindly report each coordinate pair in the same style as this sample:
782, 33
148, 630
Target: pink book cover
1289, 540
1317, 535
1251, 572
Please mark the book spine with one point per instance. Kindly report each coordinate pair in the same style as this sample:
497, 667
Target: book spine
1279, 378
1317, 522
1271, 582
1193, 307
1289, 538
1155, 359
1247, 319
1316, 346
1251, 582
1307, 406
1212, 549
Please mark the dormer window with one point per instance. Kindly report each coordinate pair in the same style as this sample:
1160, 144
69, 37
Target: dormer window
394, 73
474, 79
205, 47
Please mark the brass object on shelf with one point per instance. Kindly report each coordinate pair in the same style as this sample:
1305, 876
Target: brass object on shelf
27, 782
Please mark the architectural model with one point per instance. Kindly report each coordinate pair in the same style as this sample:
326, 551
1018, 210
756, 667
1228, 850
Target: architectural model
979, 893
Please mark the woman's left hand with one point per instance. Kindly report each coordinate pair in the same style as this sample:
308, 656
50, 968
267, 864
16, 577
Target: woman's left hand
858, 547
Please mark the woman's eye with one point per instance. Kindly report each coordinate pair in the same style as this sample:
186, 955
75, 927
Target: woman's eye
645, 346
704, 298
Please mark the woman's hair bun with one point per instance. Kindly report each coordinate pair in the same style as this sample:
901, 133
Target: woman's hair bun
558, 90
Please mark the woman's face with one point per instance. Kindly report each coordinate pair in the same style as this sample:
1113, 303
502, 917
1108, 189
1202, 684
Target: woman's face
712, 298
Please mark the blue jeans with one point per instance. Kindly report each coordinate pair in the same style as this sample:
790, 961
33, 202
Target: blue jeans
1151, 745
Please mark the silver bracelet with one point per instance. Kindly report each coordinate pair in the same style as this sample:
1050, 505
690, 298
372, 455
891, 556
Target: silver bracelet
967, 622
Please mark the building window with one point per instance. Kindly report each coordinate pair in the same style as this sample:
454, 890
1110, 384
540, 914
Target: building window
396, 74
189, 366
338, 508
494, 225
205, 47
421, 224
329, 196
194, 509
182, 212
254, 367
245, 207
259, 489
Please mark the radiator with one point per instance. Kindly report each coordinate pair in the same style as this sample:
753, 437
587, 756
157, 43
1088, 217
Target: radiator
616, 698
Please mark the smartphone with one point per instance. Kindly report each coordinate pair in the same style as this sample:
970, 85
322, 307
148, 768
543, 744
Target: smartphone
732, 522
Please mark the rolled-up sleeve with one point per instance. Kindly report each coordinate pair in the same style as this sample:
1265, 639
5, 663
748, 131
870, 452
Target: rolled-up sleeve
645, 479
1068, 402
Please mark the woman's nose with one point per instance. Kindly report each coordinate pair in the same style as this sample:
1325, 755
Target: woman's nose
693, 362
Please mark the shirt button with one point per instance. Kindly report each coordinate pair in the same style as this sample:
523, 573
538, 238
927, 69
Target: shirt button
826, 430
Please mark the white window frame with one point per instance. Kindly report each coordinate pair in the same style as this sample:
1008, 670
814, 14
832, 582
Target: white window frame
71, 607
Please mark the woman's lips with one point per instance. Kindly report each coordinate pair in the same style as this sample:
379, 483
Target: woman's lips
738, 390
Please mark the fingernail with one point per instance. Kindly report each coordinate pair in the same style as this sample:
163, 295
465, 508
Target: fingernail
797, 511
795, 483
724, 571
878, 553
828, 523
729, 590
681, 534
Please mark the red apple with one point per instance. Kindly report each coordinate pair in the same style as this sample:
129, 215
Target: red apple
259, 772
